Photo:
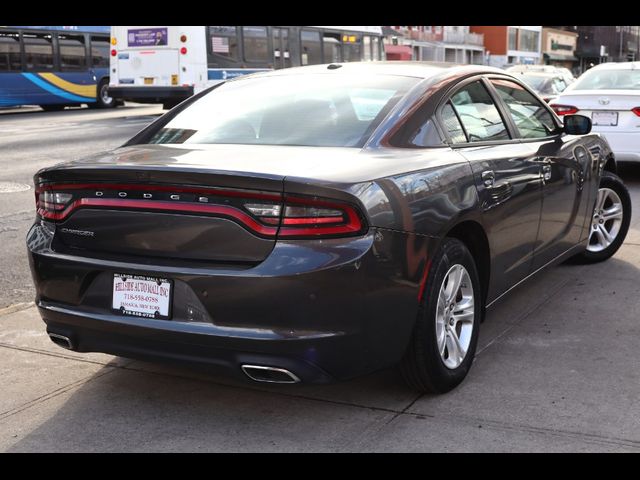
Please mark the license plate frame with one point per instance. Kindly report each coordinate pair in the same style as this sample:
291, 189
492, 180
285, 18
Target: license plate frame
147, 287
605, 118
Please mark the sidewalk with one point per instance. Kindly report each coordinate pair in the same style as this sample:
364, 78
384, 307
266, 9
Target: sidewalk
558, 369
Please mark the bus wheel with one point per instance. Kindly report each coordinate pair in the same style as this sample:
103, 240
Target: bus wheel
52, 108
103, 100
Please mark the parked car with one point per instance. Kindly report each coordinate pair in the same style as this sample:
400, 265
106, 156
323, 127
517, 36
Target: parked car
609, 94
547, 85
317, 223
564, 72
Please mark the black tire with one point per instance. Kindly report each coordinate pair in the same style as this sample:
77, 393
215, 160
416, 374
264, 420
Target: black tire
52, 108
422, 366
613, 182
103, 100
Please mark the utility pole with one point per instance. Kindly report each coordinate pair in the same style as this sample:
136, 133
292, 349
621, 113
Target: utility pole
620, 55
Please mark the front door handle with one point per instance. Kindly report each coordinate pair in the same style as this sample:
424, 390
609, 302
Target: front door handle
546, 172
488, 178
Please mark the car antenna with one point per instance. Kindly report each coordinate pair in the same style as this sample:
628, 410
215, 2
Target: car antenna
333, 66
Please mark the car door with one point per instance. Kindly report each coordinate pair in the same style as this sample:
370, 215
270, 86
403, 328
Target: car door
564, 166
508, 182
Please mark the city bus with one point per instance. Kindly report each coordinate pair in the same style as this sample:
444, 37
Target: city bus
164, 64
54, 67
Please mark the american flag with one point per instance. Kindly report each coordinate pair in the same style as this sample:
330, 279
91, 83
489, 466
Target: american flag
220, 44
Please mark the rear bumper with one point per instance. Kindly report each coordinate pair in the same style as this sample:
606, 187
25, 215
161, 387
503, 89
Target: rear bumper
624, 145
324, 310
150, 94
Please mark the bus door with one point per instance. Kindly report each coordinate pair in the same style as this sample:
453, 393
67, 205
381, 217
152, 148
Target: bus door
281, 54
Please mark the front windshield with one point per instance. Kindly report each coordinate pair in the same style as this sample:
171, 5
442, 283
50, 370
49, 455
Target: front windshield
538, 83
320, 109
609, 80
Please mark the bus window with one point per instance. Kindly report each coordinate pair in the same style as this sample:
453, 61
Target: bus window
375, 50
9, 51
311, 52
351, 48
99, 52
332, 48
38, 51
366, 47
73, 55
255, 44
224, 41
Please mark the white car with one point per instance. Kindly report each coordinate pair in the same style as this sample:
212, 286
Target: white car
609, 94
564, 72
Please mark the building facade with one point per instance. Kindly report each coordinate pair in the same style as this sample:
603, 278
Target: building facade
511, 45
453, 44
559, 47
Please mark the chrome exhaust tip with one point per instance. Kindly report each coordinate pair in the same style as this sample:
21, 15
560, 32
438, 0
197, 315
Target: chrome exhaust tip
61, 340
260, 373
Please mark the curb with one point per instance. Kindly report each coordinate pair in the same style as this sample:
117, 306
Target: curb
16, 307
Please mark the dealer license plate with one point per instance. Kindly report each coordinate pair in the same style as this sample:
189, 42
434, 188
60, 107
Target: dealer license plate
608, 119
141, 296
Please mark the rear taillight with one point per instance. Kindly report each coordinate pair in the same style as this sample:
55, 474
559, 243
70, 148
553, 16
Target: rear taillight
564, 109
51, 204
308, 217
636, 110
263, 213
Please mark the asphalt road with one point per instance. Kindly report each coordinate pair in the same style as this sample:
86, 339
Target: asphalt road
557, 367
31, 139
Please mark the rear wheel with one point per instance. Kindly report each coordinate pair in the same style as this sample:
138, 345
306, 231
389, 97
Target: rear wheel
103, 100
444, 339
610, 220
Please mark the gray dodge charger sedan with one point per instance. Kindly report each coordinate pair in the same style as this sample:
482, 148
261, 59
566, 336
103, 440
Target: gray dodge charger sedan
318, 223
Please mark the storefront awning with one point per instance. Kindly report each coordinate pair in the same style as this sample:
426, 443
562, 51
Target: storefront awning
565, 58
398, 52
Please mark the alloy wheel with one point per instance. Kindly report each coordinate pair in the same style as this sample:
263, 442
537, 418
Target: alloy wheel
606, 220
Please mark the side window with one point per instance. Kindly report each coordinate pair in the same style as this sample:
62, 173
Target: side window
9, 51
529, 114
478, 114
452, 125
38, 51
99, 52
311, 53
255, 44
73, 55
223, 41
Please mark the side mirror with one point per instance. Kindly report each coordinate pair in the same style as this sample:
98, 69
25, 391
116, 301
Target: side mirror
577, 124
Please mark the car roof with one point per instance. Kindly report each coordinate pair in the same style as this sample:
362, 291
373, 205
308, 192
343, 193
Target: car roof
617, 66
407, 69
534, 73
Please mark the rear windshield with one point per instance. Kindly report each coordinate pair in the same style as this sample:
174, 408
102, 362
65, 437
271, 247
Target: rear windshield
336, 110
609, 80
538, 83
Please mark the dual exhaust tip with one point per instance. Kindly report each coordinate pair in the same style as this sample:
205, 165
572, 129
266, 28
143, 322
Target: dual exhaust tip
257, 373
260, 373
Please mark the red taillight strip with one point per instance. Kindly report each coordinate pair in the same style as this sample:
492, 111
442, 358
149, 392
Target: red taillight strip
636, 110
353, 224
232, 212
160, 188
311, 220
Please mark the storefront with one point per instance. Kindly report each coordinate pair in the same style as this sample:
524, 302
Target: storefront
558, 47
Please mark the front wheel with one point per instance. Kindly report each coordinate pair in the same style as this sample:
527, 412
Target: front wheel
610, 220
445, 336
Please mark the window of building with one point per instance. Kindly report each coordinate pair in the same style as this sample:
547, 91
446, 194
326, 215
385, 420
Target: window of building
351, 48
366, 47
375, 49
332, 48
513, 38
38, 51
99, 52
529, 41
73, 54
311, 48
532, 119
478, 114
10, 51
224, 41
256, 48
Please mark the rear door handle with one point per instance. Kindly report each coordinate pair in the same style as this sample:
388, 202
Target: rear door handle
488, 178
